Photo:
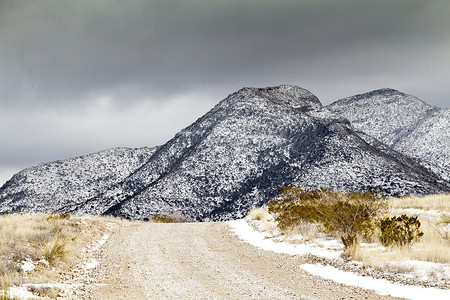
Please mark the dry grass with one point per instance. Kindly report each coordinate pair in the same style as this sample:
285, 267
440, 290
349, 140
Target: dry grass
434, 215
267, 222
435, 243
430, 202
434, 246
6, 297
53, 243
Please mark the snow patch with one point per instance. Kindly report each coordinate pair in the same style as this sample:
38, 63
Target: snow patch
424, 270
19, 292
380, 286
102, 241
416, 211
28, 265
92, 264
265, 242
47, 285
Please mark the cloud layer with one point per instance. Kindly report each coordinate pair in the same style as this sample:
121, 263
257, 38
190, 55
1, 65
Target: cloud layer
80, 76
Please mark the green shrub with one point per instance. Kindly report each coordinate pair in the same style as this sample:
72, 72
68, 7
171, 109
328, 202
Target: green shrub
399, 231
351, 215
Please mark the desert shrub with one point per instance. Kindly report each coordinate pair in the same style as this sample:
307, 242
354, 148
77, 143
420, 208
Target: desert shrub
399, 231
351, 215
442, 227
167, 218
56, 216
160, 218
296, 206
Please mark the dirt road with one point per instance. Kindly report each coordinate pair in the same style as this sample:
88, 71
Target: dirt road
202, 261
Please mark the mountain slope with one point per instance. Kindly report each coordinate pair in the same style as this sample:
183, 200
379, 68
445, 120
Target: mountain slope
235, 157
50, 186
241, 152
403, 122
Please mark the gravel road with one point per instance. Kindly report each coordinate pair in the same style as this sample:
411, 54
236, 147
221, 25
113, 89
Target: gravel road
201, 261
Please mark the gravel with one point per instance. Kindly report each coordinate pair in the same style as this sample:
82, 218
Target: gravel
196, 261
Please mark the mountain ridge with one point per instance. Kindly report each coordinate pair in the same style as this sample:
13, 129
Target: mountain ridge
403, 122
239, 154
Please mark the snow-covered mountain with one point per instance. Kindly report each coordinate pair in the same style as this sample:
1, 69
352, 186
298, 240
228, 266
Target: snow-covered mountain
50, 186
404, 122
237, 156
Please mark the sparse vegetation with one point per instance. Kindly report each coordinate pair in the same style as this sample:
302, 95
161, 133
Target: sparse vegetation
401, 231
393, 231
167, 218
431, 202
51, 244
349, 215
7, 297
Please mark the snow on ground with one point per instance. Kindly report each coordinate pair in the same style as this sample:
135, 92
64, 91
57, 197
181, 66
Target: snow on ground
263, 241
20, 293
92, 264
28, 265
101, 242
423, 269
416, 211
381, 286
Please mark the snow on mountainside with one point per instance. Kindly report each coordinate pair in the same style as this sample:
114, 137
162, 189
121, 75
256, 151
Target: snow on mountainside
234, 157
50, 186
403, 122
240, 153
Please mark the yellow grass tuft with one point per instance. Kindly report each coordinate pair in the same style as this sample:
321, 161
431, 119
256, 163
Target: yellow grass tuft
55, 250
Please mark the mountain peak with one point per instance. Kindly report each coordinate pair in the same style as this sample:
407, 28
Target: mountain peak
380, 93
286, 95
381, 98
403, 122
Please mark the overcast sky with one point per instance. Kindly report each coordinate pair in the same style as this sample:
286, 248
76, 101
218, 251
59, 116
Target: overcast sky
79, 76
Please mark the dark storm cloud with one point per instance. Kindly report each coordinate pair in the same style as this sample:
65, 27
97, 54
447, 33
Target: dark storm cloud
68, 50
80, 76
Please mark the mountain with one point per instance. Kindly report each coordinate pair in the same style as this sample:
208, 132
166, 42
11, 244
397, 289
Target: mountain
403, 122
50, 186
240, 153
